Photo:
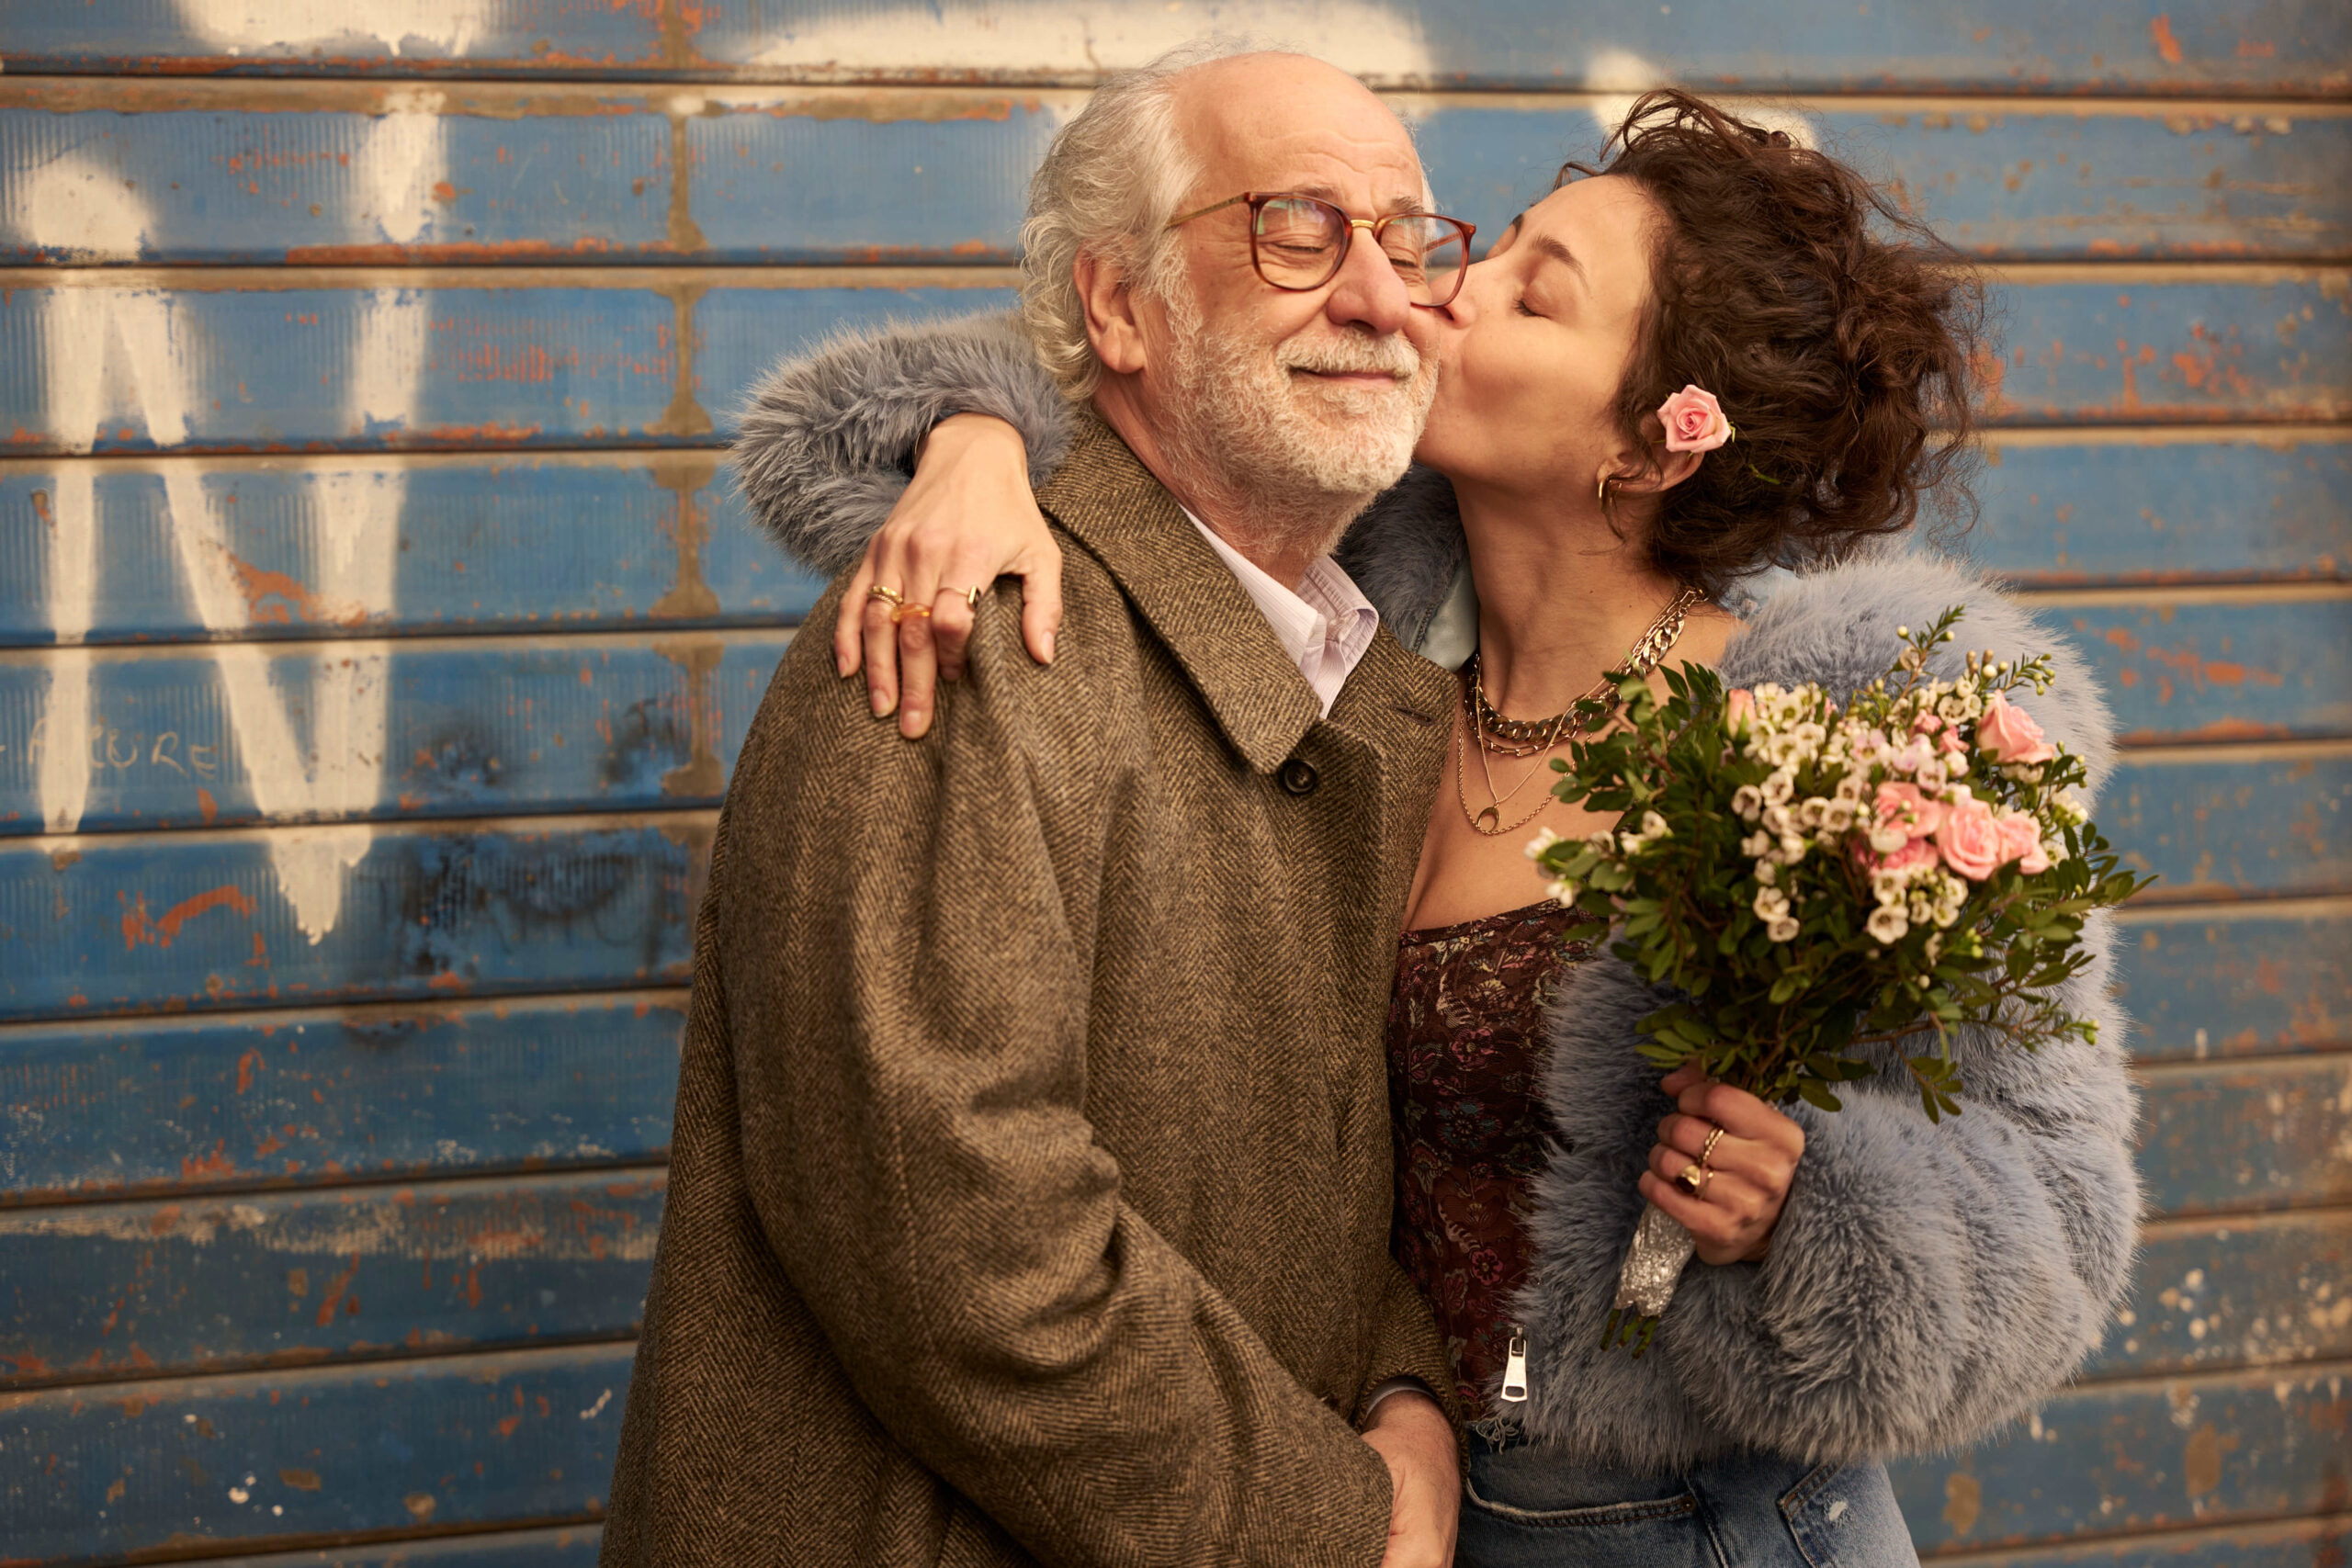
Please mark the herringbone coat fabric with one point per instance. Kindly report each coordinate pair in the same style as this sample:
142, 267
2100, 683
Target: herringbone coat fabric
1032, 1186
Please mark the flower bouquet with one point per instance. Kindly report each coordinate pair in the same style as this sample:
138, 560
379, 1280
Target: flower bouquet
1818, 882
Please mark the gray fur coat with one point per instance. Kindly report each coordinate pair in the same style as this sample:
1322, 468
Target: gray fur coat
1927, 1282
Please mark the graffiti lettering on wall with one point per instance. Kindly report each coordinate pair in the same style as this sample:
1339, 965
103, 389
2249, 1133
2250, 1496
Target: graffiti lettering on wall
113, 353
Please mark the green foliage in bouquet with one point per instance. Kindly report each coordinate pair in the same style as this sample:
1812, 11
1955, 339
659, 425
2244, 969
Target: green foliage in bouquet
1817, 880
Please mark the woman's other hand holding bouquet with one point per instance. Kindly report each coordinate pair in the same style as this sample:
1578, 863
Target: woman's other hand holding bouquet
1748, 1169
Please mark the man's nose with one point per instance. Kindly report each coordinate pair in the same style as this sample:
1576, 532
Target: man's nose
1368, 293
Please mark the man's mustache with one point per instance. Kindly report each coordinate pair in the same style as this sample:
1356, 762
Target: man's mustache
1389, 356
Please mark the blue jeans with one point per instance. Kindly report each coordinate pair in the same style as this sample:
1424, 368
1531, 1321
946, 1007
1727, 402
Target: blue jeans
1524, 1506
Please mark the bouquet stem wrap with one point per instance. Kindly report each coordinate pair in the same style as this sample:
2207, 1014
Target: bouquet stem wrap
1645, 1285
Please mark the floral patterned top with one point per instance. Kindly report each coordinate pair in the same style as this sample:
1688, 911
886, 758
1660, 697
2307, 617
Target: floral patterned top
1465, 1043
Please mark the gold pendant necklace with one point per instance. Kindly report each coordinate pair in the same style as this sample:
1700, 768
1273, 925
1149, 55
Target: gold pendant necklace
1537, 737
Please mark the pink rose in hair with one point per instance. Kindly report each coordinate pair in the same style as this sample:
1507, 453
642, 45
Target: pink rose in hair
2021, 841
1694, 421
1971, 839
2010, 734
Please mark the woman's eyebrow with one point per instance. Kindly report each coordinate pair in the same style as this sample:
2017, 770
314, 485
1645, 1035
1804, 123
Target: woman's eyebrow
1545, 246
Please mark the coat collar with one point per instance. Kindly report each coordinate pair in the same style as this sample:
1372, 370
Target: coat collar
1124, 517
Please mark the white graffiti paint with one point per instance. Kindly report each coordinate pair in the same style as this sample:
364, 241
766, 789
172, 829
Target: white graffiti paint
1383, 44
74, 208
113, 356
425, 26
1622, 77
395, 172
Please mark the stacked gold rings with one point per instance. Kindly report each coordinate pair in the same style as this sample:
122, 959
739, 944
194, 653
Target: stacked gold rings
1693, 1178
902, 607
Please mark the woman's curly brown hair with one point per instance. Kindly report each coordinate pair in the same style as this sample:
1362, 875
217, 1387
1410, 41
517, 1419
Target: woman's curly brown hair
1838, 333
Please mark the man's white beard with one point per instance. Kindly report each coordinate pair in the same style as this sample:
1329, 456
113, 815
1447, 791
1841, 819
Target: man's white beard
1288, 452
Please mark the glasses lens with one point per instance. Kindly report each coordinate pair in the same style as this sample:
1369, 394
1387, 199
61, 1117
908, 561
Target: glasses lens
1429, 252
1298, 239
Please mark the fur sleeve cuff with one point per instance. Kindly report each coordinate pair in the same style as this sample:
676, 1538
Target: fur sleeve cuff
829, 439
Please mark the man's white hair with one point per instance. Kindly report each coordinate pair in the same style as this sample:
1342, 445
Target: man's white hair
1111, 181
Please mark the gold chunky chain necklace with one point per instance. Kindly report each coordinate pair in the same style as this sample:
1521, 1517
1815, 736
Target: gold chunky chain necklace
1534, 737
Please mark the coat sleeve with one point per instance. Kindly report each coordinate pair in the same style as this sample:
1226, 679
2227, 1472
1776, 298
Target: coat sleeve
907, 952
1406, 1344
1928, 1282
828, 440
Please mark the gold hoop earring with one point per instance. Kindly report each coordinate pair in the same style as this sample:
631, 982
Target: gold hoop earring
1601, 493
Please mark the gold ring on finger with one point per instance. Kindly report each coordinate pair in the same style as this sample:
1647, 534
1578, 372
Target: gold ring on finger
1707, 1150
904, 611
1692, 1178
888, 595
971, 597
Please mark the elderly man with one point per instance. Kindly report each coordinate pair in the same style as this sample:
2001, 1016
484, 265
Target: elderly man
1032, 1189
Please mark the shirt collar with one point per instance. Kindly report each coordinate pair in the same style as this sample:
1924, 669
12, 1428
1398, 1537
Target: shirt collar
1324, 624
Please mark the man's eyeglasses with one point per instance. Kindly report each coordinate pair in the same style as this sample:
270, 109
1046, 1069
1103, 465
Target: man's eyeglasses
1299, 242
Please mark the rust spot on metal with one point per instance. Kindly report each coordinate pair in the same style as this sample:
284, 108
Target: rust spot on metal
686, 476
300, 1480
702, 773
2160, 32
1963, 1501
475, 252
335, 1288
686, 415
685, 236
138, 928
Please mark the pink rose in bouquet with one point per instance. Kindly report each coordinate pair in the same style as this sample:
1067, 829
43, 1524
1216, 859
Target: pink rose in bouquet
2022, 842
1970, 838
2010, 733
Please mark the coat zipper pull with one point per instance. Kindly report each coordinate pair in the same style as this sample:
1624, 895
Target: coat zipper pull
1515, 1369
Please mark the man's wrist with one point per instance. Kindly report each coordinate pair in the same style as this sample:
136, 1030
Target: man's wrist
1384, 1397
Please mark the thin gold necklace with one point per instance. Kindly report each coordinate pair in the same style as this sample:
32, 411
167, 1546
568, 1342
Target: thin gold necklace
1648, 651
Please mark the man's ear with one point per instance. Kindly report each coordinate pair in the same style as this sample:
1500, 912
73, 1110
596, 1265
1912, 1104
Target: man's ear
1111, 324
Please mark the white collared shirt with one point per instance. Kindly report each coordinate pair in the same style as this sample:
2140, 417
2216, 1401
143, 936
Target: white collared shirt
1325, 626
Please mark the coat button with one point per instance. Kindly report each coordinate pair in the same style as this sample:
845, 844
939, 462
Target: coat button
1297, 776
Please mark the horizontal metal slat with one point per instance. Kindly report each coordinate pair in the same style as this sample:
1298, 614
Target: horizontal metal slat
295, 359
573, 1546
2232, 822
196, 547
182, 549
527, 1437
248, 1461
2282, 1544
2133, 1456
2218, 980
421, 728
2164, 505
308, 173
185, 1106
2230, 1137
2261, 1290
202, 1283
2220, 665
360, 731
312, 916
2286, 46
94, 1290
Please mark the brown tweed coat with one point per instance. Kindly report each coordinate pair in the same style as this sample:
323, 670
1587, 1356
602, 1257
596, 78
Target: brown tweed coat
1032, 1190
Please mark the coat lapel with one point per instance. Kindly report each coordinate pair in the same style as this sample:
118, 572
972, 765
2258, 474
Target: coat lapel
1123, 517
